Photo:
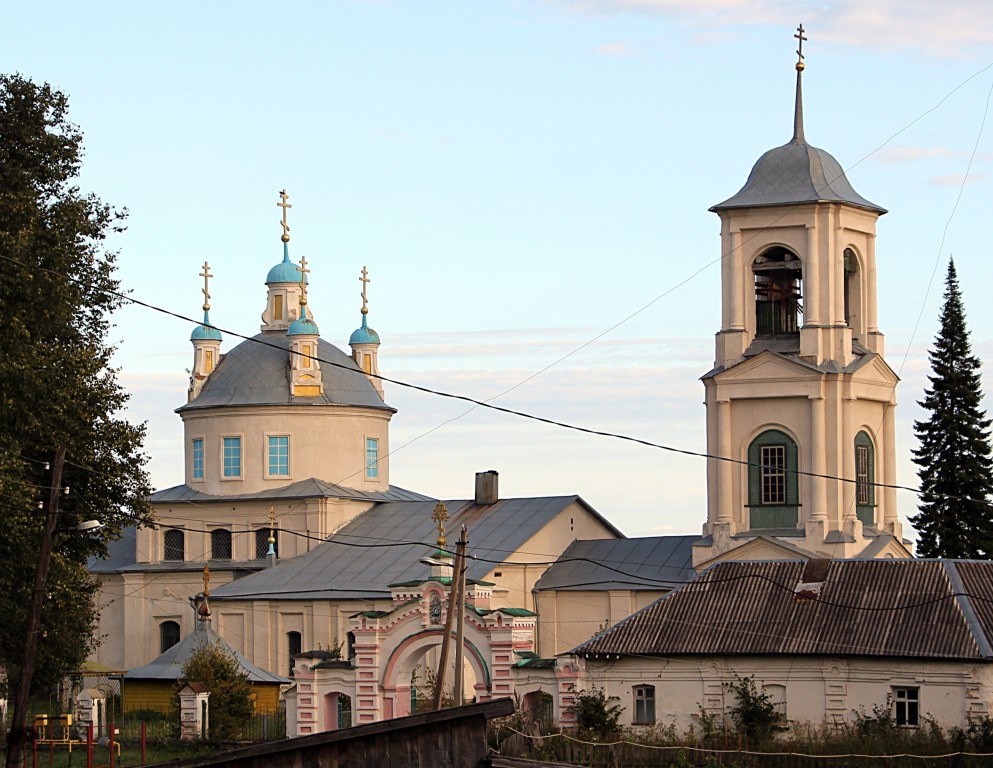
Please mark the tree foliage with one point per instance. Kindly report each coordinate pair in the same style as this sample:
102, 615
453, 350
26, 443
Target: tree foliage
230, 702
753, 713
954, 516
57, 382
597, 716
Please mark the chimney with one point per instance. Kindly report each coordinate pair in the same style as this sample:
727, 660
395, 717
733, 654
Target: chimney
487, 487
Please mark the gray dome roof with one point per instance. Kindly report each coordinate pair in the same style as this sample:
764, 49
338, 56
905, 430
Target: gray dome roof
796, 173
256, 373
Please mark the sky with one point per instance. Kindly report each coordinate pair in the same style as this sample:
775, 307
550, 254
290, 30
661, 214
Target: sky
528, 184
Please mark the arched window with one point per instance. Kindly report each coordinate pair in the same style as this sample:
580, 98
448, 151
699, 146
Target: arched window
773, 483
865, 478
778, 292
168, 635
173, 545
220, 544
262, 543
294, 647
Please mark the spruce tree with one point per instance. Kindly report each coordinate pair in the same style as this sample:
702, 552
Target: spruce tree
954, 518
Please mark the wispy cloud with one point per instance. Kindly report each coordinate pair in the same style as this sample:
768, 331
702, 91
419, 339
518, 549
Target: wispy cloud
954, 29
614, 49
956, 179
910, 154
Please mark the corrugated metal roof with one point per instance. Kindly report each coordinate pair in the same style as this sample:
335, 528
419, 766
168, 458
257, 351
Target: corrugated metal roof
351, 565
891, 608
169, 666
648, 563
255, 373
302, 489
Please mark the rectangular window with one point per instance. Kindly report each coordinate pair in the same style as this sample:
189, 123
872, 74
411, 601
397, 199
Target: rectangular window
198, 459
279, 455
862, 487
232, 457
208, 365
371, 458
907, 704
306, 355
773, 473
644, 704
277, 307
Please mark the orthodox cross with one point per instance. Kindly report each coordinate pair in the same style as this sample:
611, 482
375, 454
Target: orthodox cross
284, 205
365, 282
302, 269
206, 293
206, 581
440, 516
799, 51
272, 531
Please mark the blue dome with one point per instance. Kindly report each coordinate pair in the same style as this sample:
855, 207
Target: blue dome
284, 272
205, 332
303, 326
364, 335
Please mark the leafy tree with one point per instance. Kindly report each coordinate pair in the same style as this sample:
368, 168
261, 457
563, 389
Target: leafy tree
596, 715
230, 702
57, 383
954, 516
753, 713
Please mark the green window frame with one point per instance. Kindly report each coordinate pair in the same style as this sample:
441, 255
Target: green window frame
773, 481
865, 478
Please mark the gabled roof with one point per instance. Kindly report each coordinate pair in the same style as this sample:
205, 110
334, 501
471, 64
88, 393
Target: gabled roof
934, 609
647, 563
169, 666
382, 546
302, 489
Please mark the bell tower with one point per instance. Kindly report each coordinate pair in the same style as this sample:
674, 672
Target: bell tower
800, 403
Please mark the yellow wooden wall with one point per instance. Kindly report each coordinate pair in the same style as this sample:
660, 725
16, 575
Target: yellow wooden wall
159, 696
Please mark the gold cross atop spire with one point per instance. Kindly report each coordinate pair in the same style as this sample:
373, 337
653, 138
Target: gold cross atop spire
799, 51
206, 286
284, 205
440, 516
206, 581
272, 527
302, 269
365, 280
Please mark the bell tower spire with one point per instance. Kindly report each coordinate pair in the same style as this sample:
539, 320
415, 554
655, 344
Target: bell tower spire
206, 340
283, 280
798, 107
365, 342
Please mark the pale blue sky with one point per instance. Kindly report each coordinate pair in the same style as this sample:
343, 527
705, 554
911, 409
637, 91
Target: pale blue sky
518, 177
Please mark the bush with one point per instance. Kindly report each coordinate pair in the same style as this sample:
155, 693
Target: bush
754, 714
596, 715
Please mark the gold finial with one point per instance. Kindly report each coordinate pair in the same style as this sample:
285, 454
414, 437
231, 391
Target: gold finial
440, 516
206, 285
272, 526
302, 269
365, 280
206, 582
799, 51
284, 205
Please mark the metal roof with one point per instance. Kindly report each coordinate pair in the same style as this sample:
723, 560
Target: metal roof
383, 545
879, 608
302, 489
169, 666
649, 563
256, 372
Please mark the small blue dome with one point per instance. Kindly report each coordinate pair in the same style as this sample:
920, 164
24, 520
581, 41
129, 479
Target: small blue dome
303, 326
205, 332
364, 335
284, 272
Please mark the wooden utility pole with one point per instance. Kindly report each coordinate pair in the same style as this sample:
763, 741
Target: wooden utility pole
459, 574
453, 608
17, 740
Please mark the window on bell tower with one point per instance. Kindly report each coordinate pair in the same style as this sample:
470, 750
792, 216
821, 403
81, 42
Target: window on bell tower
778, 292
865, 478
277, 307
773, 483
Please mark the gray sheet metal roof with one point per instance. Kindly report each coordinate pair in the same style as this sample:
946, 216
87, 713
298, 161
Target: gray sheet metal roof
383, 545
169, 666
649, 563
302, 489
255, 373
879, 608
796, 173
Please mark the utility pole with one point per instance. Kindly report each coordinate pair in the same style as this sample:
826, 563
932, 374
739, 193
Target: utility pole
17, 740
453, 608
460, 620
